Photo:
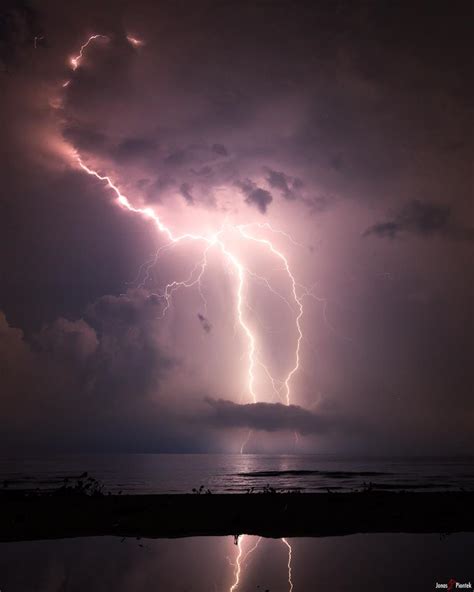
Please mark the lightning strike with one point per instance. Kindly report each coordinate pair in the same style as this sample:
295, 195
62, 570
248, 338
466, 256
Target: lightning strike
237, 566
290, 580
252, 549
240, 560
211, 241
189, 283
242, 273
245, 442
297, 299
75, 61
194, 279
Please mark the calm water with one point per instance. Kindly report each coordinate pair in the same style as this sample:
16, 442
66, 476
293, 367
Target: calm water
180, 473
385, 563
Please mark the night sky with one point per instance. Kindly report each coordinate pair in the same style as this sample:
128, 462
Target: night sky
346, 126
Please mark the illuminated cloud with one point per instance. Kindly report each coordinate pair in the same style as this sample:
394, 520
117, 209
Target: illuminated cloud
286, 116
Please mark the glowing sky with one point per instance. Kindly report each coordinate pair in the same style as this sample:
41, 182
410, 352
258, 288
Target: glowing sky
315, 121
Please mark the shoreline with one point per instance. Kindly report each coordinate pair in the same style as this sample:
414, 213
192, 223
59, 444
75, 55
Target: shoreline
273, 515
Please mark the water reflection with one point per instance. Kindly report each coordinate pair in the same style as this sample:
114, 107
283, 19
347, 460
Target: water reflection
215, 564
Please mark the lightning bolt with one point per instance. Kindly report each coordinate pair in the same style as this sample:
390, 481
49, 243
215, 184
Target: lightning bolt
240, 560
290, 581
242, 557
245, 442
210, 240
281, 387
189, 283
76, 60
242, 273
297, 299
238, 567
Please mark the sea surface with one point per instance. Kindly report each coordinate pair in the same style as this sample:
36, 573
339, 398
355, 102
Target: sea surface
236, 473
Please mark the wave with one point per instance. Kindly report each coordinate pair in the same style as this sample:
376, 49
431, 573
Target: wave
303, 473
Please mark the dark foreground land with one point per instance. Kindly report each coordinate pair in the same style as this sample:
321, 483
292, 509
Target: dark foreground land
269, 515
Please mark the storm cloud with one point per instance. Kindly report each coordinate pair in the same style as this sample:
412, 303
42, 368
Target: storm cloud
78, 378
323, 126
271, 417
423, 219
254, 195
287, 185
205, 324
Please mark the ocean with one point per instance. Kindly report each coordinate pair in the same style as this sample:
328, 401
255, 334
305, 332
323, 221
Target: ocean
236, 473
388, 562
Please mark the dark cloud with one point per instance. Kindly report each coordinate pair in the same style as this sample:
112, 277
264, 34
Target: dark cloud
254, 195
89, 372
423, 219
219, 149
20, 30
285, 184
135, 307
271, 417
85, 138
320, 203
352, 131
122, 150
204, 171
205, 324
177, 158
134, 148
337, 162
383, 229
293, 189
185, 191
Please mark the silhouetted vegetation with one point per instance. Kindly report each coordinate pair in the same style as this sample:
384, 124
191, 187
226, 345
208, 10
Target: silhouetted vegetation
267, 489
202, 490
84, 485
